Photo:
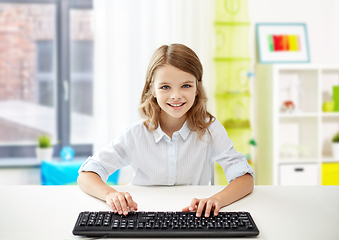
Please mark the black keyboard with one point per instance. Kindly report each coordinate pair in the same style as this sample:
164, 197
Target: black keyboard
164, 224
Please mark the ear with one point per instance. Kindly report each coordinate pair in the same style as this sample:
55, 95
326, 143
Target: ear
197, 92
153, 92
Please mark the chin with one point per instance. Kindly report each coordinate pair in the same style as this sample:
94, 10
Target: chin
176, 116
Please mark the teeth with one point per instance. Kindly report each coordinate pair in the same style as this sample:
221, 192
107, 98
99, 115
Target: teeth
176, 105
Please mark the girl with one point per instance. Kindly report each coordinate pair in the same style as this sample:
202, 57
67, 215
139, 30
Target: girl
176, 144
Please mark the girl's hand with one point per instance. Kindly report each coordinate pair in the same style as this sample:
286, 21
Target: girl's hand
121, 202
205, 204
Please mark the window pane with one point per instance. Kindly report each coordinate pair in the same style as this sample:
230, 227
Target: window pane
81, 50
27, 72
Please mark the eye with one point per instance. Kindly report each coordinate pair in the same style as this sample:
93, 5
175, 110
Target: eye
165, 87
186, 86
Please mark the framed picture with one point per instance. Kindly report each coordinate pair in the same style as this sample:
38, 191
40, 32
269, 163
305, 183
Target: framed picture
282, 43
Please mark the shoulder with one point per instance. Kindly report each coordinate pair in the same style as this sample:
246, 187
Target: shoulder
136, 129
129, 137
216, 124
136, 125
131, 133
216, 128
139, 125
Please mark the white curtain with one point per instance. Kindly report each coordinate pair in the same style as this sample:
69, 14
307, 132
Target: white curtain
127, 32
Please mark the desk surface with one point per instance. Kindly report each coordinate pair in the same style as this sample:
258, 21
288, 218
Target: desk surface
50, 212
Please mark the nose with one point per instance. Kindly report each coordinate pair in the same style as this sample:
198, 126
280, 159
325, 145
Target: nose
176, 95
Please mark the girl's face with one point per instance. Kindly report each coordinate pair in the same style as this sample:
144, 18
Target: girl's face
175, 91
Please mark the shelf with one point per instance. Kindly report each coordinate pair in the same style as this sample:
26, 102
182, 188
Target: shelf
329, 160
298, 160
330, 114
298, 115
303, 135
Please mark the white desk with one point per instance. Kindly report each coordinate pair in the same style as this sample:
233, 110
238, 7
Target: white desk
50, 212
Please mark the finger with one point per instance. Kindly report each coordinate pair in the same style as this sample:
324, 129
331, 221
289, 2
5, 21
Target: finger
185, 209
208, 209
134, 207
112, 205
117, 205
123, 204
193, 205
201, 207
109, 202
114, 209
216, 208
131, 204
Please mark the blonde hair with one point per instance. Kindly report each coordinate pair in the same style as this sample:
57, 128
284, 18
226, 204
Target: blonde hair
184, 58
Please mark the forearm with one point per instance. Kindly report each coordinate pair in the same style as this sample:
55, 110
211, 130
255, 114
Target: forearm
237, 189
92, 184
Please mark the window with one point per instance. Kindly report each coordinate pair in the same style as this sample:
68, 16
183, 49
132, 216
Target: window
81, 93
46, 75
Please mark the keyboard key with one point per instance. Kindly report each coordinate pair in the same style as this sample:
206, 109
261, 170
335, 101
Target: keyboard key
98, 222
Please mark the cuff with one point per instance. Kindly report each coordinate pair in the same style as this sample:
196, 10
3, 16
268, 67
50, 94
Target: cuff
238, 170
91, 165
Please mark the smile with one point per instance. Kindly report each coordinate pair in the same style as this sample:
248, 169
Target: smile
176, 104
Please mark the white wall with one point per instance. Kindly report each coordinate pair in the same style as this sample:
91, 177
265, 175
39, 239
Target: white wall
320, 16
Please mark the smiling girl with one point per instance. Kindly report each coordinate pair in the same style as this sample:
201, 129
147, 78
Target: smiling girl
176, 143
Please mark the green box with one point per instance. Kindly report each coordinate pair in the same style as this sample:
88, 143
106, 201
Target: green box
232, 76
241, 138
336, 98
233, 109
232, 41
231, 11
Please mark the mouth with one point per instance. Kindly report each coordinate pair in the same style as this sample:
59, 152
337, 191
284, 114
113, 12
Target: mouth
176, 105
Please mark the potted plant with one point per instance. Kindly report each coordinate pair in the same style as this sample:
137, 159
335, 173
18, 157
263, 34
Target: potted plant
335, 146
44, 150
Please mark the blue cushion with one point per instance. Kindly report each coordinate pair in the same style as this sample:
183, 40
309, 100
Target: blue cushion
66, 173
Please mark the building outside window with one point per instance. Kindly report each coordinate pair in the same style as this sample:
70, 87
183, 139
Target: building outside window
46, 75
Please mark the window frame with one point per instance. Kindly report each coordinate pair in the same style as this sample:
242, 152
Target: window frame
62, 105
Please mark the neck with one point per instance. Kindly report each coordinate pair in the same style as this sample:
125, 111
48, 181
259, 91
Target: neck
170, 125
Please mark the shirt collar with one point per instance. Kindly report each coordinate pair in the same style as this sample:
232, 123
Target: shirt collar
183, 132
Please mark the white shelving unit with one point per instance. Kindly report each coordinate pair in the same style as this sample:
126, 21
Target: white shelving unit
292, 146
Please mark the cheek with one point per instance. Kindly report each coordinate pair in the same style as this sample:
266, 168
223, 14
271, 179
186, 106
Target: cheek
157, 96
160, 100
160, 95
